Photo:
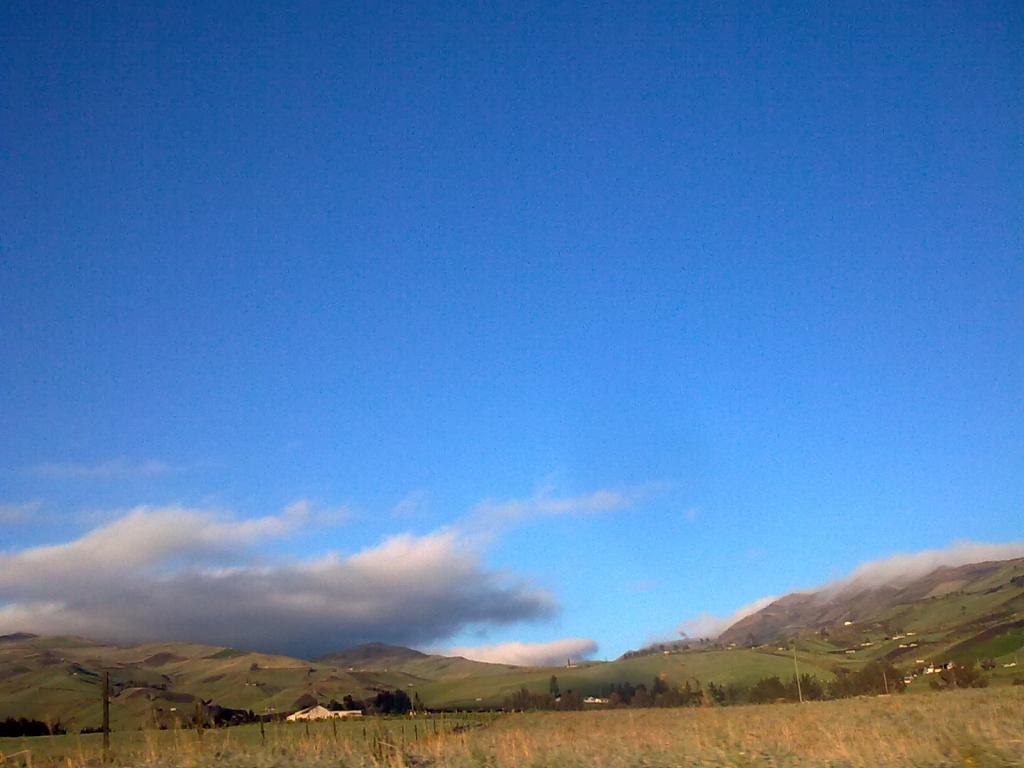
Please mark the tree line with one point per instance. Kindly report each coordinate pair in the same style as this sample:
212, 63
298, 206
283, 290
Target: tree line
395, 702
872, 679
23, 726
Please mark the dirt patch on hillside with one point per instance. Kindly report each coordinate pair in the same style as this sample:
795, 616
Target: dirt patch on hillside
159, 659
176, 697
13, 671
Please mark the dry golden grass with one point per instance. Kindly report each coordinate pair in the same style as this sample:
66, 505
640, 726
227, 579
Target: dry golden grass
971, 728
974, 729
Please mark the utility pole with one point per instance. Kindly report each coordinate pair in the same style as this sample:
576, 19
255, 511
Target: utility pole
106, 715
796, 672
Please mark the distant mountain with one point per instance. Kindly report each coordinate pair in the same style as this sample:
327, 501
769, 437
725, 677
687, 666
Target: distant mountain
968, 613
372, 656
418, 666
13, 638
975, 596
59, 678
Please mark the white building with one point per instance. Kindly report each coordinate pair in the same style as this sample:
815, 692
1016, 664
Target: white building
322, 713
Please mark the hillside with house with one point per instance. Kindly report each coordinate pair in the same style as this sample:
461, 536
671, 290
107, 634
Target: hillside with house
969, 617
968, 614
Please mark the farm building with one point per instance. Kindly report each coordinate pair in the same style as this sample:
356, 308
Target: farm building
322, 713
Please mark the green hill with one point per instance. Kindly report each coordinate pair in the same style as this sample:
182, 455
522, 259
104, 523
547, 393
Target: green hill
59, 678
372, 656
943, 598
963, 614
739, 666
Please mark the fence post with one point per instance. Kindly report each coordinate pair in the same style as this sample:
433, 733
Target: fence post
106, 715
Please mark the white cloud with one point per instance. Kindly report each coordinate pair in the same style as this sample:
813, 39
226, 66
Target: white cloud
552, 653
641, 585
303, 513
711, 626
544, 504
902, 568
410, 505
193, 574
19, 513
113, 469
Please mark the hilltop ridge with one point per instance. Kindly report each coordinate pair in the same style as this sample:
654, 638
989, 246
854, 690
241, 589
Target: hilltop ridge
984, 593
966, 613
371, 655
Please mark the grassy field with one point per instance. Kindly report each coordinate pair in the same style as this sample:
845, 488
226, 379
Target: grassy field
360, 737
740, 666
975, 729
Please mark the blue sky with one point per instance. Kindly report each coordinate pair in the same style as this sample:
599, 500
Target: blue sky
713, 301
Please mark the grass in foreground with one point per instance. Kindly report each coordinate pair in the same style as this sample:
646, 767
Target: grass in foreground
975, 729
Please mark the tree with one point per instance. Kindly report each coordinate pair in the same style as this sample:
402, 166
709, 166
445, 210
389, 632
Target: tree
768, 689
641, 698
570, 700
351, 704
523, 700
394, 702
725, 695
25, 727
659, 686
874, 678
960, 676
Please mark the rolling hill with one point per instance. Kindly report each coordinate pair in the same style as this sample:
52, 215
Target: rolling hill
59, 678
988, 591
963, 614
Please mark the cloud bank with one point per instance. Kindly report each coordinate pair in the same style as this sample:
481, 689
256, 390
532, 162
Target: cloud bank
194, 574
707, 625
114, 469
894, 571
19, 513
552, 653
902, 568
543, 504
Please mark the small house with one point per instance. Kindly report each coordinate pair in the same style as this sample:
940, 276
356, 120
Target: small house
322, 713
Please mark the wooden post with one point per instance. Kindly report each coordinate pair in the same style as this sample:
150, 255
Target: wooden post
885, 681
263, 735
106, 715
334, 726
796, 670
199, 718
